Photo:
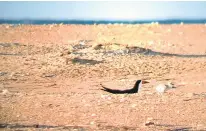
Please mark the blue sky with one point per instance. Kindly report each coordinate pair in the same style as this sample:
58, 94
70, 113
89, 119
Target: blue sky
100, 10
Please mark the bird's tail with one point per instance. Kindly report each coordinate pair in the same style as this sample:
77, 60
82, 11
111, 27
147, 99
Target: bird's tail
106, 89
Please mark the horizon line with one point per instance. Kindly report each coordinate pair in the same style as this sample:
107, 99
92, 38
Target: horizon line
52, 19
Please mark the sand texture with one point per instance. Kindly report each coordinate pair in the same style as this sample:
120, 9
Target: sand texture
50, 77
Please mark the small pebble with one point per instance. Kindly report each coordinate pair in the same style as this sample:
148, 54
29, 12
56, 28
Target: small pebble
134, 105
109, 98
5, 91
82, 43
3, 73
93, 114
122, 100
92, 123
149, 122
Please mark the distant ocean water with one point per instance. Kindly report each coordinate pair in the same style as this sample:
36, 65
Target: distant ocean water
91, 22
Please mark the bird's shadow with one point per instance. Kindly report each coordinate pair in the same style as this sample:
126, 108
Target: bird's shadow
13, 126
9, 44
85, 61
149, 52
9, 54
177, 127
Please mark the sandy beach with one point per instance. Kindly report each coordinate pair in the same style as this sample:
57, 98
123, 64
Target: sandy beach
50, 77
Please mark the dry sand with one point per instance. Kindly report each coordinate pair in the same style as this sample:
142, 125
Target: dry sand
43, 87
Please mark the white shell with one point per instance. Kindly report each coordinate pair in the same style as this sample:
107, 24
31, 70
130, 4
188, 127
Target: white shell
82, 43
5, 91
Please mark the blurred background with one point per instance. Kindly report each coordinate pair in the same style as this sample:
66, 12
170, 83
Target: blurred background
105, 11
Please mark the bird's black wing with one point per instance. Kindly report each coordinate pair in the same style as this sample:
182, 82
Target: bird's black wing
135, 89
113, 91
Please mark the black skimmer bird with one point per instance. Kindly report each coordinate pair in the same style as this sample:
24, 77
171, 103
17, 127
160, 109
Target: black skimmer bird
135, 89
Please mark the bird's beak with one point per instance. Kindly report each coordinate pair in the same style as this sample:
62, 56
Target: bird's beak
145, 82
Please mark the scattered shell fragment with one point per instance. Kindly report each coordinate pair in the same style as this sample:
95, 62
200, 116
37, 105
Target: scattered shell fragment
82, 43
92, 123
93, 114
5, 91
133, 105
122, 100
